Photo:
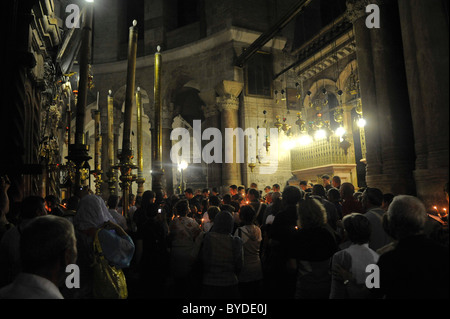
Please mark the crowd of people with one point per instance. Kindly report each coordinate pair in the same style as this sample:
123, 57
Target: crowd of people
311, 241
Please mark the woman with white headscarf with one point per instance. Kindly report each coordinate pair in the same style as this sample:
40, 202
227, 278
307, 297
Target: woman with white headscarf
118, 247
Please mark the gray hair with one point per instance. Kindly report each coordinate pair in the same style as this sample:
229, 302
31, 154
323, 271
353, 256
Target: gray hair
406, 216
44, 240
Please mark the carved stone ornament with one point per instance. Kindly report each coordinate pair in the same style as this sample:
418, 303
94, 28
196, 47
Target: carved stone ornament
356, 9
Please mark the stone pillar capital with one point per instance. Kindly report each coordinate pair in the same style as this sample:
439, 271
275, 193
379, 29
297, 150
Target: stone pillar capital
209, 107
229, 88
227, 103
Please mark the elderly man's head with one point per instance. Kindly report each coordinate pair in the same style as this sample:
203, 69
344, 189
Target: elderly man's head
47, 246
405, 217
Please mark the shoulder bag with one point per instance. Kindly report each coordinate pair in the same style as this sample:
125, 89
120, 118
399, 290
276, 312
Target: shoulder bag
108, 281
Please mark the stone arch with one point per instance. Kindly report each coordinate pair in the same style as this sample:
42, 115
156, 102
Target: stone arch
330, 85
181, 96
316, 90
195, 175
188, 104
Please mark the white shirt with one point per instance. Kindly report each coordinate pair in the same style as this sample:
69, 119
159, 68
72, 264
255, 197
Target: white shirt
29, 286
355, 259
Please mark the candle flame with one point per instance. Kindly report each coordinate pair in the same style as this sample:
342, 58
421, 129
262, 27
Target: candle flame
134, 23
110, 92
158, 48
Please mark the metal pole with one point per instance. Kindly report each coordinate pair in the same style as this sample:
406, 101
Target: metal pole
111, 173
140, 158
78, 152
157, 169
126, 156
97, 151
84, 74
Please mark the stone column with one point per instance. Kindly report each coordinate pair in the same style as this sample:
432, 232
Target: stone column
384, 98
356, 15
228, 104
425, 47
395, 128
212, 120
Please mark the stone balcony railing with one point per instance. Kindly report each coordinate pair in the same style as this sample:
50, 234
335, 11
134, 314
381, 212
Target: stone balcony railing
320, 153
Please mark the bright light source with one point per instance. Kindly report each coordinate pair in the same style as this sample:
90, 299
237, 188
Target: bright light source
304, 140
288, 145
340, 131
361, 122
320, 134
90, 1
183, 165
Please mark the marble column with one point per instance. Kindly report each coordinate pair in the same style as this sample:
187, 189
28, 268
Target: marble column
228, 104
212, 120
426, 54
